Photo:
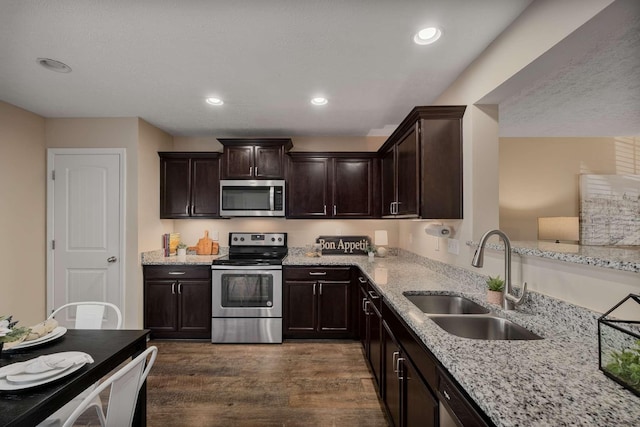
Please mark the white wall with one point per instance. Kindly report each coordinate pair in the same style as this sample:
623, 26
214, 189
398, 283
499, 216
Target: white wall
22, 215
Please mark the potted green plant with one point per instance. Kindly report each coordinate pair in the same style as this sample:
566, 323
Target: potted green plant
182, 249
625, 365
495, 290
371, 251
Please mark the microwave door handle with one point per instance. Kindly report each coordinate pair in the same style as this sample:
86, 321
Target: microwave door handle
272, 204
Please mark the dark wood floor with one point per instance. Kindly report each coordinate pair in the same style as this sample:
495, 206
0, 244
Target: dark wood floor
297, 383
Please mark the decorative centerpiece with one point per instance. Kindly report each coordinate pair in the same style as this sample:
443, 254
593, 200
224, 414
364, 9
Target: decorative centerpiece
495, 290
9, 334
182, 249
619, 344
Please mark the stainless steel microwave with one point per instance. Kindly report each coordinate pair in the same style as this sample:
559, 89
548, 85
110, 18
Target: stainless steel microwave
252, 197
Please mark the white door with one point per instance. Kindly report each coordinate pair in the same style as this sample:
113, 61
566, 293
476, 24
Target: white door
85, 228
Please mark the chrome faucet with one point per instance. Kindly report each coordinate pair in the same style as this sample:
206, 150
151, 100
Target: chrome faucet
509, 301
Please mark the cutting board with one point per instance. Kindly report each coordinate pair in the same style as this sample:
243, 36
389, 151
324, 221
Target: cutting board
205, 245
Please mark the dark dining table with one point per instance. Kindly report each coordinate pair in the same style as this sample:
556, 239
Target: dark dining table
108, 348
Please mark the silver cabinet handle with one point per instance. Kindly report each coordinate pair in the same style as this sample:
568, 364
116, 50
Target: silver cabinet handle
186, 210
335, 210
314, 288
446, 395
317, 273
324, 209
394, 361
256, 171
250, 170
177, 273
320, 287
179, 288
173, 288
362, 279
112, 259
373, 295
398, 362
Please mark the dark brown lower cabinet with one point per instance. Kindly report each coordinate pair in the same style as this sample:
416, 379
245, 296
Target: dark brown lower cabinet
177, 301
317, 303
370, 320
407, 397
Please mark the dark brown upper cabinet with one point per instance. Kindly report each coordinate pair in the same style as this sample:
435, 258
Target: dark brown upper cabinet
189, 185
254, 158
422, 165
332, 185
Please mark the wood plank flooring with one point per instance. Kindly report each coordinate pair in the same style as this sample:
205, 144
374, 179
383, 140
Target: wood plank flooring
297, 383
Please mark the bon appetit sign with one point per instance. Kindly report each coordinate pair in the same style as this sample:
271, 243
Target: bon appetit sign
344, 245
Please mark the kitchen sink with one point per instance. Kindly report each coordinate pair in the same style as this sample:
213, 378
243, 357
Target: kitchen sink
445, 304
484, 328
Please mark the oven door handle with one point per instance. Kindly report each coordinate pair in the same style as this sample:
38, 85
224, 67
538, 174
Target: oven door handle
242, 268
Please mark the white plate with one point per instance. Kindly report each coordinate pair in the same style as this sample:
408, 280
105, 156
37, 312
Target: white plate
27, 378
38, 379
56, 333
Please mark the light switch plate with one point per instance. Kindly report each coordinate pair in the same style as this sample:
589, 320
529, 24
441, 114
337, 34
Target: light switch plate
453, 247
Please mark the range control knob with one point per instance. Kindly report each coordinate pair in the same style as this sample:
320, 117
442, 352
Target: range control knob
242, 239
235, 239
273, 239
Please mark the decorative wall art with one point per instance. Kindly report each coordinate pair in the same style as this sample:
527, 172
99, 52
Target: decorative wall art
610, 210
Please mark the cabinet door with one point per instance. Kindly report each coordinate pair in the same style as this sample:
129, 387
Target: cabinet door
388, 193
238, 162
375, 343
194, 298
334, 301
205, 188
363, 321
307, 187
299, 314
420, 407
441, 195
407, 174
392, 384
352, 184
160, 306
269, 162
175, 187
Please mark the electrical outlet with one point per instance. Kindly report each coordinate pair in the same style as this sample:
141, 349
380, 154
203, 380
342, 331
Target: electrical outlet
215, 235
452, 246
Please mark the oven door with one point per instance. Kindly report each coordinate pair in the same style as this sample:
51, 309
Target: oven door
247, 291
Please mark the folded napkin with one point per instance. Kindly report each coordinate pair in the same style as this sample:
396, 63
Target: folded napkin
42, 329
47, 363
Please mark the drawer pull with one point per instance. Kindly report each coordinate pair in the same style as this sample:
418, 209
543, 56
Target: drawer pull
317, 273
362, 279
446, 395
373, 295
177, 273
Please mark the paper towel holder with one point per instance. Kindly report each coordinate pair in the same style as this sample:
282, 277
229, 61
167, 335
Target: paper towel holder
438, 230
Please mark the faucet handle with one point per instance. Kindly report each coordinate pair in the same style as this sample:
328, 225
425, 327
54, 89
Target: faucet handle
513, 299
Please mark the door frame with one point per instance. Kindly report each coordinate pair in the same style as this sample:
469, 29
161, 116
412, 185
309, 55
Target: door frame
51, 153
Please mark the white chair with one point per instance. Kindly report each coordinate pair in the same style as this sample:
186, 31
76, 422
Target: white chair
90, 314
125, 386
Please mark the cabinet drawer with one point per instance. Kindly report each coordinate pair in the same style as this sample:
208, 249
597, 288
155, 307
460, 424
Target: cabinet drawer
317, 273
177, 272
457, 403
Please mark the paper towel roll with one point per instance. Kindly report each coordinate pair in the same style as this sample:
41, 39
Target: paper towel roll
438, 230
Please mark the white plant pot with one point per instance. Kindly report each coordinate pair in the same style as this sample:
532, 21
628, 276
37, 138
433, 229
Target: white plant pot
182, 252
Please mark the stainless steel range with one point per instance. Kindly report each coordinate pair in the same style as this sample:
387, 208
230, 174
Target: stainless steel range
247, 289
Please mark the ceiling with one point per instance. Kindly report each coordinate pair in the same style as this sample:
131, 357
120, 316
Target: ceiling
160, 59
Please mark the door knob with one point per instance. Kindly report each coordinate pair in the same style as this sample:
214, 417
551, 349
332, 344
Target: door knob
112, 259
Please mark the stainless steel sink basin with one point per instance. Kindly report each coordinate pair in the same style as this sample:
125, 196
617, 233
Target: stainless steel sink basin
445, 304
484, 328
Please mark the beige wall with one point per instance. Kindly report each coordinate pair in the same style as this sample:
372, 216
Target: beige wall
514, 49
22, 214
539, 177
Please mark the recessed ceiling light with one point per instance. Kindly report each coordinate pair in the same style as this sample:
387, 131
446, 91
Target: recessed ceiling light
427, 35
215, 101
53, 65
319, 100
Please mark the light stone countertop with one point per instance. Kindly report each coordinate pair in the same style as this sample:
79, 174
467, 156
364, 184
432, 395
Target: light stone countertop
549, 382
158, 258
624, 258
